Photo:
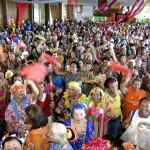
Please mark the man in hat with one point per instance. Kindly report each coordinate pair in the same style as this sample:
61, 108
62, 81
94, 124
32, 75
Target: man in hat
72, 96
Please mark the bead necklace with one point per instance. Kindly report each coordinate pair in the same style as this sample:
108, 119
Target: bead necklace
81, 133
111, 99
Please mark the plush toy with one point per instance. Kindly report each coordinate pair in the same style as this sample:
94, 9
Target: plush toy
71, 134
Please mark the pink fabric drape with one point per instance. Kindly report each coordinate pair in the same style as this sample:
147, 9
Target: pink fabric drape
21, 10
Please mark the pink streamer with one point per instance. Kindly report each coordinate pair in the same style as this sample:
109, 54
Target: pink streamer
108, 6
121, 19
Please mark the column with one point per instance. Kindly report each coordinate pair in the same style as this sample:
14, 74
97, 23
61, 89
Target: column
5, 14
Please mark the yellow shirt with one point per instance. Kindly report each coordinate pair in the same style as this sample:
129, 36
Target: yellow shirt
115, 103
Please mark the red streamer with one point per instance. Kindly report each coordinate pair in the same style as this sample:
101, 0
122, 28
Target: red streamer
35, 72
120, 68
51, 60
135, 11
21, 10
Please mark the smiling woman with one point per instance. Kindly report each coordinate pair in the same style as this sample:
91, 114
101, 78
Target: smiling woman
131, 123
84, 127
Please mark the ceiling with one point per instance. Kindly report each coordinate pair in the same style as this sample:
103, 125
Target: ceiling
81, 2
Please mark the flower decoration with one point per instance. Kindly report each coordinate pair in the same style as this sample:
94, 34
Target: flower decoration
5, 136
97, 144
95, 113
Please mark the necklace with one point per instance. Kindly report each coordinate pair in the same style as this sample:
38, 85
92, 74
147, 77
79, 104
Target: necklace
14, 107
111, 99
80, 129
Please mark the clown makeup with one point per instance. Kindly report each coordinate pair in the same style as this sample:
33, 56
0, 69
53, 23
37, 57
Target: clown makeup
79, 115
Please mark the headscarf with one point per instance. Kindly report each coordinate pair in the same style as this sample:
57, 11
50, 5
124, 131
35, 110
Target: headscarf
74, 84
102, 101
78, 106
17, 86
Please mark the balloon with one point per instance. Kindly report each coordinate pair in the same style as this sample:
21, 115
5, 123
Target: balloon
121, 19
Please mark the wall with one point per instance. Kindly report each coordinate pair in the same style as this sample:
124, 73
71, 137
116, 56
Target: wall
55, 11
87, 11
11, 11
1, 13
39, 13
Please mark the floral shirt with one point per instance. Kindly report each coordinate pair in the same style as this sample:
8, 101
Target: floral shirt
16, 123
37, 139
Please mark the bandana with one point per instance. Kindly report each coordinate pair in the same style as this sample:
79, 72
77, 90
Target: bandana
17, 86
78, 106
74, 84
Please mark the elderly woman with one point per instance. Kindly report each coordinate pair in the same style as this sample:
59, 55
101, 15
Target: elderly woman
99, 112
14, 111
45, 100
58, 138
131, 123
84, 127
37, 138
113, 96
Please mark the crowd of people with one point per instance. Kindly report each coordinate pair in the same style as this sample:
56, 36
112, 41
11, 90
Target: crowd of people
86, 93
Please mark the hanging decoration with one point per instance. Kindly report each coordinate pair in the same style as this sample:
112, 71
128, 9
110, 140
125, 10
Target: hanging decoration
21, 10
129, 14
135, 11
73, 2
108, 6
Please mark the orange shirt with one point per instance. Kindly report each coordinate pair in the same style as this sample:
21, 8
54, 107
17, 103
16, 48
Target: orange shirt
132, 99
37, 139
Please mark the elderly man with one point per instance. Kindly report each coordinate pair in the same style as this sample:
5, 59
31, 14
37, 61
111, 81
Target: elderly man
14, 111
71, 96
133, 94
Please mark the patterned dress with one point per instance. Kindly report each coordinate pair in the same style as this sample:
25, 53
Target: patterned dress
82, 140
16, 123
98, 116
